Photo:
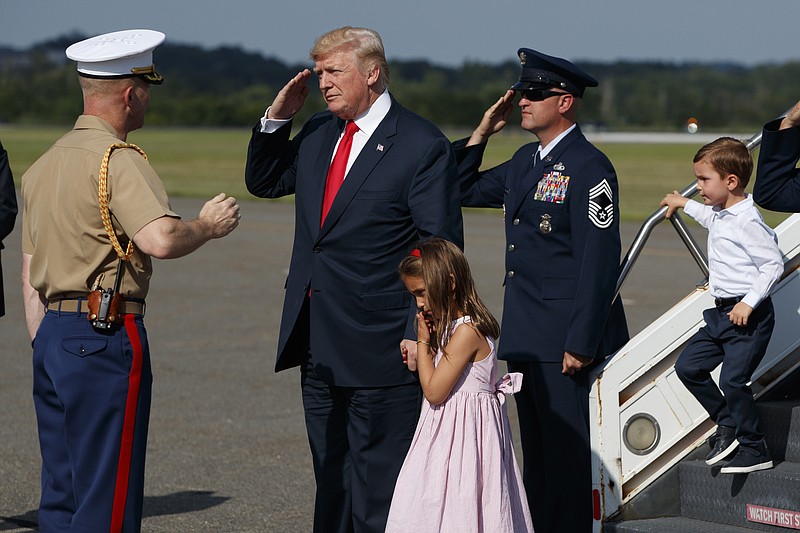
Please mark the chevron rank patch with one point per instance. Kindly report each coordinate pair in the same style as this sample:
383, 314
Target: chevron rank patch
601, 205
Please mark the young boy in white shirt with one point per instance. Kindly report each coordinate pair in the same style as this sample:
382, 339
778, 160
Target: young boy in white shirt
744, 263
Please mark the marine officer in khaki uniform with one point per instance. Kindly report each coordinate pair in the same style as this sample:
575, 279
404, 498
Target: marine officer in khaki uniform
92, 377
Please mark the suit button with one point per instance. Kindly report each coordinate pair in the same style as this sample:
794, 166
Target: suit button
515, 222
510, 273
317, 249
511, 247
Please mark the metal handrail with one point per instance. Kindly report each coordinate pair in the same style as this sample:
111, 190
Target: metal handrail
678, 223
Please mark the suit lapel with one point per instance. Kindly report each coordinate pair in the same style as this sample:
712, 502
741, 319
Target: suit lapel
378, 145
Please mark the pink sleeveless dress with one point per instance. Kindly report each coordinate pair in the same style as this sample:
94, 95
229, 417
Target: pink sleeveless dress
460, 473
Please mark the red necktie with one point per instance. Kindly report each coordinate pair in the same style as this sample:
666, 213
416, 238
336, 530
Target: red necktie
337, 169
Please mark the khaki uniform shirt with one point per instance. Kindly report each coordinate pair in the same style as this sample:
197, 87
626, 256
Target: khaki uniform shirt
62, 227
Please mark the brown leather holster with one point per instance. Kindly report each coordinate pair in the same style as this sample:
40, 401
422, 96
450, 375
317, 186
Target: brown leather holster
111, 311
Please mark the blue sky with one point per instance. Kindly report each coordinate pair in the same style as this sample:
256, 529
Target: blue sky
443, 31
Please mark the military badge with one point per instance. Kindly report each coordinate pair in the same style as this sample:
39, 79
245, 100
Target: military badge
552, 188
545, 226
559, 167
601, 205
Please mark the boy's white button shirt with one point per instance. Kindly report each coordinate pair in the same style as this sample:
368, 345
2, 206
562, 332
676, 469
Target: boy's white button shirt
743, 254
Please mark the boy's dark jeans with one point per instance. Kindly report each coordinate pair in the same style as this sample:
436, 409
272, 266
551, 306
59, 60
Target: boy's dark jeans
740, 350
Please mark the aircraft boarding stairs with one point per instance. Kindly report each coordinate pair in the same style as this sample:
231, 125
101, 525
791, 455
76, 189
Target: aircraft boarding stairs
649, 433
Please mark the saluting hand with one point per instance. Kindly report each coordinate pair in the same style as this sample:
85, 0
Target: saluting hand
291, 98
494, 119
221, 214
792, 118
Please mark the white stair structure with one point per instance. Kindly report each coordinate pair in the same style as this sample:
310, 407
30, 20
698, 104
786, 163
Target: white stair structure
644, 420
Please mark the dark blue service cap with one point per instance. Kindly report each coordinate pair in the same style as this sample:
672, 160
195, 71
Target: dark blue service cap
540, 71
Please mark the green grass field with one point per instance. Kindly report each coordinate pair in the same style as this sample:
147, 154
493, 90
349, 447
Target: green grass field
203, 162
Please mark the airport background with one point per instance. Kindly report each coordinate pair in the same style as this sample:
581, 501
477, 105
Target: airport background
228, 450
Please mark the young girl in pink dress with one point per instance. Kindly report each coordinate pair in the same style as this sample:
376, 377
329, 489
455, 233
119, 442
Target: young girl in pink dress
460, 473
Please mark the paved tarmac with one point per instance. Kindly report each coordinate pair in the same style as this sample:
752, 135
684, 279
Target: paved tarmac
227, 445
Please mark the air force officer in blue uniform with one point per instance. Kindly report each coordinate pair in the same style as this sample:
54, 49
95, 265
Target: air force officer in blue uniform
560, 201
345, 311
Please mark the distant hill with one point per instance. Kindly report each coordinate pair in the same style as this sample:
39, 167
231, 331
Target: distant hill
227, 86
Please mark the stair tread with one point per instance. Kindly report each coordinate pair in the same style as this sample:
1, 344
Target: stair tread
783, 469
707, 494
672, 524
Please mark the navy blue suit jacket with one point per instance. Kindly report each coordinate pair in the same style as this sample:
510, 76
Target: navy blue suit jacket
8, 210
403, 187
777, 184
561, 267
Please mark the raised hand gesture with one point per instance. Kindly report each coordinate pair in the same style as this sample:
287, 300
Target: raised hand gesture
291, 98
494, 119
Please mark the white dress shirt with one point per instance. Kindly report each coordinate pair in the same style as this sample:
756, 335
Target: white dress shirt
743, 254
367, 123
552, 144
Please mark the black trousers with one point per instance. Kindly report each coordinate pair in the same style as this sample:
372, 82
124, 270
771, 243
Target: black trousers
554, 429
359, 438
739, 350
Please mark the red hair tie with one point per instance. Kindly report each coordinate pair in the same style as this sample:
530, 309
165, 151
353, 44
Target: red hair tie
415, 252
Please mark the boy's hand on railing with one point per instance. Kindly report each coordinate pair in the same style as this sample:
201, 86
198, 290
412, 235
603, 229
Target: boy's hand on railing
673, 201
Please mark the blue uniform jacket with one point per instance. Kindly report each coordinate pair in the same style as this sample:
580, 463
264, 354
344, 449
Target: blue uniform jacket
562, 248
777, 184
403, 187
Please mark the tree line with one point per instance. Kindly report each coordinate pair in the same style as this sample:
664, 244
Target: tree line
230, 87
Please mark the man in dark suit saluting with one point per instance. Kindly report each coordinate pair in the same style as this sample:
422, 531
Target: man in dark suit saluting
8, 211
369, 178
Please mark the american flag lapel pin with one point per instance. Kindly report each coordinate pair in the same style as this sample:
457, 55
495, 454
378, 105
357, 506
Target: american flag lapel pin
380, 147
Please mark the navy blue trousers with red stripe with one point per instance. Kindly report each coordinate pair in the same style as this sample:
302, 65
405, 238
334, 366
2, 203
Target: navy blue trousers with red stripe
92, 394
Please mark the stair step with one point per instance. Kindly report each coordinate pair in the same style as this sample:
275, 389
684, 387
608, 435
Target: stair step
780, 422
707, 494
672, 524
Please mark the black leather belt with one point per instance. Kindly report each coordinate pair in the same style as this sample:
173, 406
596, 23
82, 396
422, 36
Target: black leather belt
727, 302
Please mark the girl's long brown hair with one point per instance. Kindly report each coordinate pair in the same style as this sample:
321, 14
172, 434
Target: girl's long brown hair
438, 260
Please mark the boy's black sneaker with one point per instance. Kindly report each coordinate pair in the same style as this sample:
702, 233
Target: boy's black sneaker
749, 459
725, 444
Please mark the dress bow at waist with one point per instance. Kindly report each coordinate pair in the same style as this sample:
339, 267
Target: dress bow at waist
511, 383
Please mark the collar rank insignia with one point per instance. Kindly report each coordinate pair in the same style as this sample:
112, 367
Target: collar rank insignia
601, 205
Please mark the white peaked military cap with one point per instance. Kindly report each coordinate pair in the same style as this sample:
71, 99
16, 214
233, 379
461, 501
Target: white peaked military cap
121, 54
